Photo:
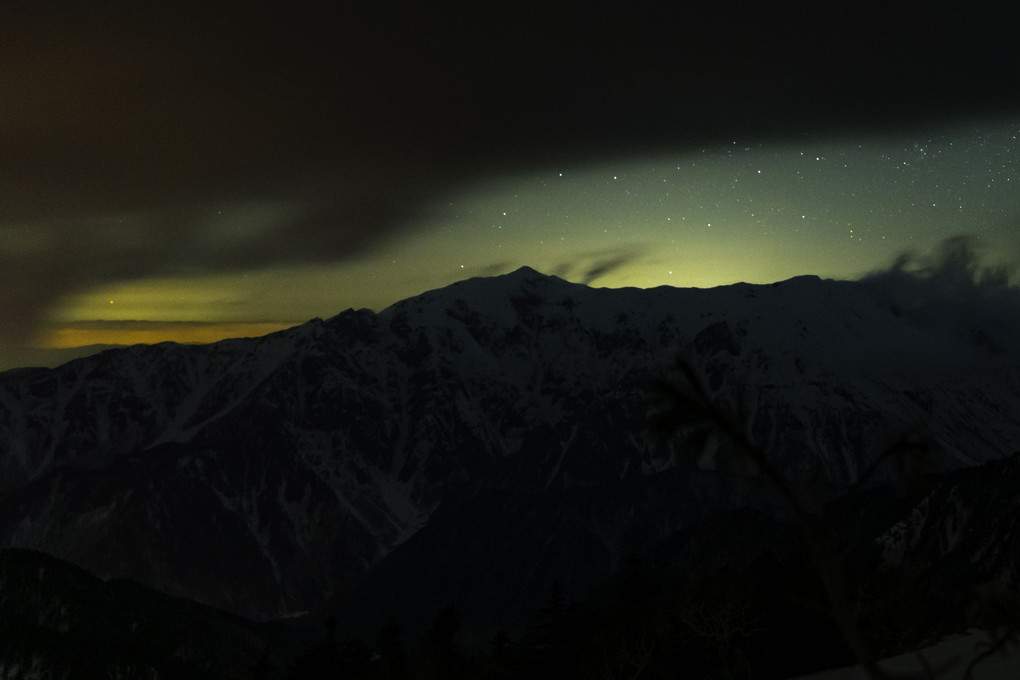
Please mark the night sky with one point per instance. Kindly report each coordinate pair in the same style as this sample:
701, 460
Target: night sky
197, 171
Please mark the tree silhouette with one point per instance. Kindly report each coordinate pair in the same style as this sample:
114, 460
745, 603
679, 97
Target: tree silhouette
685, 408
392, 657
686, 412
441, 658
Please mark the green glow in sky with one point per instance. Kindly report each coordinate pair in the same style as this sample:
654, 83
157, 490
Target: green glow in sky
744, 211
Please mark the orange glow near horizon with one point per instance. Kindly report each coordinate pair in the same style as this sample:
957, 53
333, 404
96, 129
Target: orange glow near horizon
141, 333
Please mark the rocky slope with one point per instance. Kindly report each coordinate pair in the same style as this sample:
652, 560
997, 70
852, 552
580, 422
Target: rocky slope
267, 475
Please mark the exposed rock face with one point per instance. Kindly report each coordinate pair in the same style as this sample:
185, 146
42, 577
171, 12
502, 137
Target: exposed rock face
266, 475
963, 535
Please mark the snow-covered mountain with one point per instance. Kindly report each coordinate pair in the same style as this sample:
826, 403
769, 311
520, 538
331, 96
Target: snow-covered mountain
267, 475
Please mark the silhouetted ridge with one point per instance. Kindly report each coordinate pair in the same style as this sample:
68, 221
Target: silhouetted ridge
494, 431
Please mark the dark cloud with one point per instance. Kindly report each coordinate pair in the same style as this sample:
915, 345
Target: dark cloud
142, 140
131, 132
589, 266
607, 265
958, 267
958, 288
40, 263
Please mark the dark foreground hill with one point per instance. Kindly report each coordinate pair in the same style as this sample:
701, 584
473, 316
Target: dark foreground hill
484, 450
58, 621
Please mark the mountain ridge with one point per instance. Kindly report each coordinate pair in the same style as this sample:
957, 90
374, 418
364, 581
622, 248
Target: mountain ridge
310, 454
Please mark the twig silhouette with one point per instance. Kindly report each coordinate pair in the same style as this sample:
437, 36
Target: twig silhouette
688, 406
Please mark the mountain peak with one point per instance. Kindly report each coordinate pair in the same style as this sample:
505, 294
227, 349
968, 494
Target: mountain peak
494, 385
526, 273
